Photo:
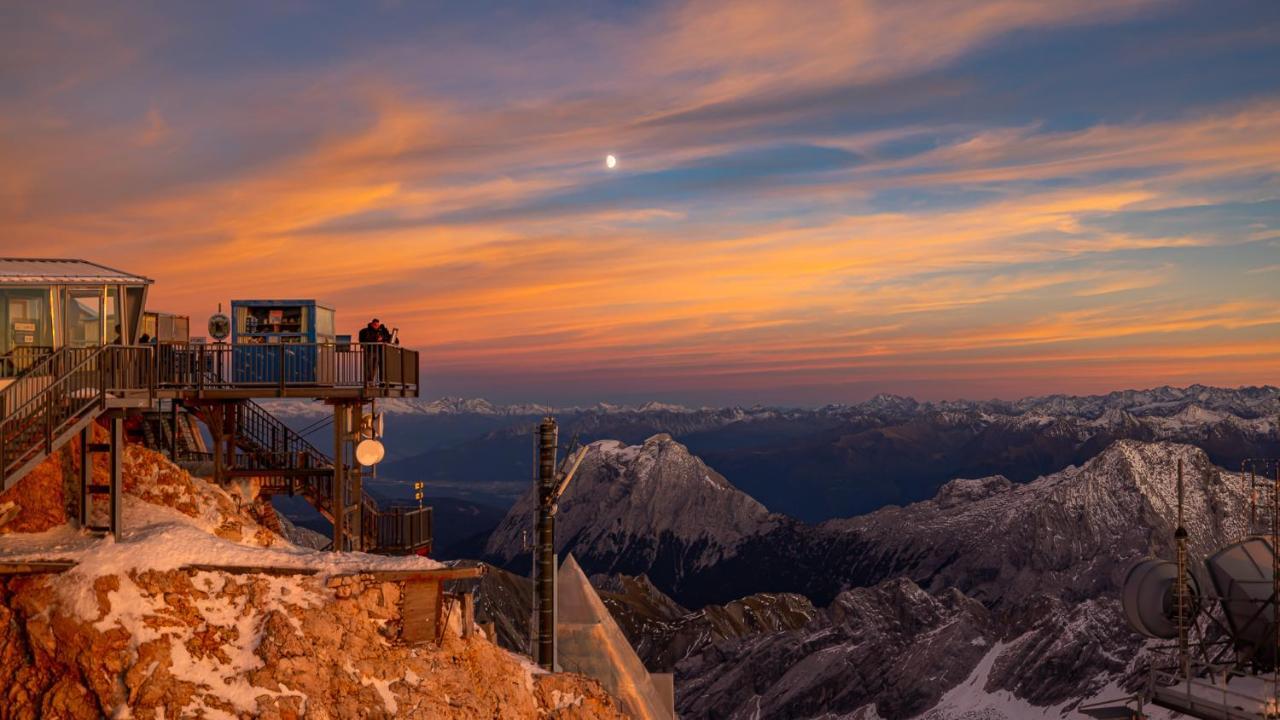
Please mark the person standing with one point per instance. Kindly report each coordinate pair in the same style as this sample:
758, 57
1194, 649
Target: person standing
371, 337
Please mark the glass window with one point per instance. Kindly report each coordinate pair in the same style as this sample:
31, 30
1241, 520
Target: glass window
324, 324
111, 315
84, 317
26, 327
135, 298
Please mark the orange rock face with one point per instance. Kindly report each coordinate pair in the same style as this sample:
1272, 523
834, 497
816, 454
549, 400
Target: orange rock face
151, 643
181, 643
46, 497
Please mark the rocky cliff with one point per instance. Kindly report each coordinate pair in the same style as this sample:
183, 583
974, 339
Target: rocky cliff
993, 599
200, 610
651, 509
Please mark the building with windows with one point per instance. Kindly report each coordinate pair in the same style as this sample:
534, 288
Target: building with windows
47, 304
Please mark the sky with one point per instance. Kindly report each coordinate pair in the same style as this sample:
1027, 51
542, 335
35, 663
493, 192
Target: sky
813, 202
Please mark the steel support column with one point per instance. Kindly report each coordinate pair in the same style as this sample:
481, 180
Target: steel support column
545, 559
348, 479
86, 474
117, 486
339, 499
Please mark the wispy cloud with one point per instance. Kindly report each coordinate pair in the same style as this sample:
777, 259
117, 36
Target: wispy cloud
797, 203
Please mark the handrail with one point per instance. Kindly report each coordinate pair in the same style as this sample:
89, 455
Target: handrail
23, 359
42, 368
272, 443
229, 366
37, 413
59, 376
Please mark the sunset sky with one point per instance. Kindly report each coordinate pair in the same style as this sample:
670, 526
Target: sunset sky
814, 201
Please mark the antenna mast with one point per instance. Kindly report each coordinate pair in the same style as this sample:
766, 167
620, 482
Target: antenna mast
544, 569
1180, 539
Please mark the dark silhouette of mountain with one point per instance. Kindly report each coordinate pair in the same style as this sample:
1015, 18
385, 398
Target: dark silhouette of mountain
842, 460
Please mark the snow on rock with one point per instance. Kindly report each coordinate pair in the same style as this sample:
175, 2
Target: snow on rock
630, 505
132, 630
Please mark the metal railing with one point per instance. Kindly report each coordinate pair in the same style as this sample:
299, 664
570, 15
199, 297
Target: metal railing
18, 361
268, 444
403, 529
226, 366
57, 393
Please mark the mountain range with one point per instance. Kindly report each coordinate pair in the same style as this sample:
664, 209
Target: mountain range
992, 594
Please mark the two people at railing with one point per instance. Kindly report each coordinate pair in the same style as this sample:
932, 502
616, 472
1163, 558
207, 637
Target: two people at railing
371, 335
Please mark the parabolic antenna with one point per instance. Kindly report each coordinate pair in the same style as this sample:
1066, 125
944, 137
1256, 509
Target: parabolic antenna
1150, 598
372, 425
369, 452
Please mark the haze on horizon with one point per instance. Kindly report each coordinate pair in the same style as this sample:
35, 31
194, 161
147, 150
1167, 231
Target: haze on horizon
812, 203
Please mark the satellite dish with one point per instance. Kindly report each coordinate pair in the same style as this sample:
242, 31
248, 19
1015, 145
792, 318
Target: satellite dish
372, 425
219, 326
370, 452
1149, 598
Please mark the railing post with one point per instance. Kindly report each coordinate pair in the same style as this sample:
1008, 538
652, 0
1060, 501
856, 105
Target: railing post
48, 422
280, 348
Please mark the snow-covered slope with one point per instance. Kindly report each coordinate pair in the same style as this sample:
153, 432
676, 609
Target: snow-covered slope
651, 508
173, 621
1023, 578
1010, 586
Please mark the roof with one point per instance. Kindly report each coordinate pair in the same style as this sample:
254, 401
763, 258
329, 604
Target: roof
63, 271
282, 303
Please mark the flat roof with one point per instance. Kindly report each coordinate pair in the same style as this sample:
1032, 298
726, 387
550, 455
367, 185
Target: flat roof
62, 271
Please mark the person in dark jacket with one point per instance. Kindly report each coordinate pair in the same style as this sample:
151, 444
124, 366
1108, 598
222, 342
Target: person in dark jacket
370, 335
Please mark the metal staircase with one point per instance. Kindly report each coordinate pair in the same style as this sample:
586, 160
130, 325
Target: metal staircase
60, 395
284, 462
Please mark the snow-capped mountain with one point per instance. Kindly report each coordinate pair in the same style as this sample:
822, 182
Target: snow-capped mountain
992, 594
1245, 402
652, 508
1013, 585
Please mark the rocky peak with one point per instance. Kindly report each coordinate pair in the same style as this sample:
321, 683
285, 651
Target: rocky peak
631, 507
961, 490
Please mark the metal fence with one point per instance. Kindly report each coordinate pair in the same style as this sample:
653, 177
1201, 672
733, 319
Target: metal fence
18, 361
225, 366
397, 529
61, 390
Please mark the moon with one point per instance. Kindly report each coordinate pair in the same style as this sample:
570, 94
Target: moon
610, 162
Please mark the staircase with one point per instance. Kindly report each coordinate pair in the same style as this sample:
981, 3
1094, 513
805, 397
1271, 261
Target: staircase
286, 463
64, 392
60, 395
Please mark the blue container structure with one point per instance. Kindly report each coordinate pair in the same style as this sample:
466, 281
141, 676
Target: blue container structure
282, 341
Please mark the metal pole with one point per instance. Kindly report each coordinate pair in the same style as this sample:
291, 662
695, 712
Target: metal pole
355, 477
1180, 537
117, 482
545, 568
339, 499
86, 475
173, 430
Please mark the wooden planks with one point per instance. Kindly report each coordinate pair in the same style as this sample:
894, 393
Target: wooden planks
441, 575
32, 567
420, 607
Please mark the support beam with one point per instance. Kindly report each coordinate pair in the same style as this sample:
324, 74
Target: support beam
339, 478
216, 431
173, 430
86, 475
544, 580
117, 476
